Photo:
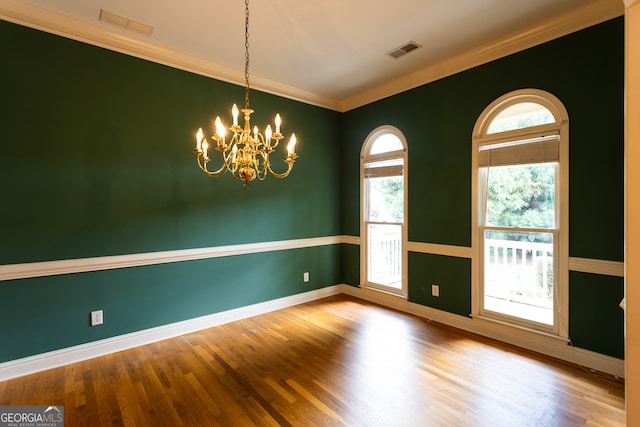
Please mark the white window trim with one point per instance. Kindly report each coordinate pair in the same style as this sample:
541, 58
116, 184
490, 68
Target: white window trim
480, 137
365, 158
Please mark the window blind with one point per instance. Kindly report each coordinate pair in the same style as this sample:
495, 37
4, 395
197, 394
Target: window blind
384, 168
543, 149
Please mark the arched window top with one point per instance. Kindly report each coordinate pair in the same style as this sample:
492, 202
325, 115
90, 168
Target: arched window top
520, 111
384, 141
519, 116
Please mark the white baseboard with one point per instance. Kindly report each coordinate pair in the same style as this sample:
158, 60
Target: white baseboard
550, 346
53, 359
540, 343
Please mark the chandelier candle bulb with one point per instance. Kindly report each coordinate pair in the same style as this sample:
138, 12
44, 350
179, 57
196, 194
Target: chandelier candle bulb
278, 122
234, 113
291, 148
199, 137
267, 134
220, 133
205, 147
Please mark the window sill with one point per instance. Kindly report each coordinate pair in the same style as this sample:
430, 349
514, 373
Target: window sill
397, 294
498, 324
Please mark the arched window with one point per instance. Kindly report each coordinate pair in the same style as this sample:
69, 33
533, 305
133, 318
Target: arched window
520, 157
384, 206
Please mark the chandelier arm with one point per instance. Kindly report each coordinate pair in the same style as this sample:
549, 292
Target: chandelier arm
275, 144
231, 161
262, 173
283, 174
229, 164
213, 174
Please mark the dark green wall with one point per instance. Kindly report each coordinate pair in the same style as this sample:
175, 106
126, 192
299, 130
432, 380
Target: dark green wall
350, 264
595, 316
95, 160
98, 148
452, 274
585, 71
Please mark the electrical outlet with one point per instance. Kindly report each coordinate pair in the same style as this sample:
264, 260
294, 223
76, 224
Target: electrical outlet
306, 276
435, 290
97, 318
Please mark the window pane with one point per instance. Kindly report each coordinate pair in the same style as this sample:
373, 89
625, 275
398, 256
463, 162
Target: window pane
518, 274
520, 116
385, 143
386, 199
521, 196
385, 254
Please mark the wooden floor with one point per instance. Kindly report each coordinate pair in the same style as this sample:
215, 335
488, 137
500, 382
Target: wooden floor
336, 361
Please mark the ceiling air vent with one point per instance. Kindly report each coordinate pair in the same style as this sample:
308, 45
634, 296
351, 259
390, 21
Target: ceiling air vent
403, 50
126, 23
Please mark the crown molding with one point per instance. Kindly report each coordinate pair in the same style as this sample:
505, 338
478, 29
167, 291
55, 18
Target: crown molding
51, 22
551, 29
38, 18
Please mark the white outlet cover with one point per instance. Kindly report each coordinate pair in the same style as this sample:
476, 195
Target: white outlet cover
97, 318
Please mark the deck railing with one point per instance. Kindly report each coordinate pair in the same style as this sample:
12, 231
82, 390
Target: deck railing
519, 271
385, 254
514, 271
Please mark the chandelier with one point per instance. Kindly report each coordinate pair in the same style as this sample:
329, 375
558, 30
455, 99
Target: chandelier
246, 154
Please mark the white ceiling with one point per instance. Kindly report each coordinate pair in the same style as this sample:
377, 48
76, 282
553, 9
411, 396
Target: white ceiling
334, 49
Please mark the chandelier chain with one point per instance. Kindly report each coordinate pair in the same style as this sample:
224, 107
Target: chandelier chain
246, 53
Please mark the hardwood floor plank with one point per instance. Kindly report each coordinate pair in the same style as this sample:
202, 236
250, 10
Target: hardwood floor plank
333, 362
289, 398
315, 401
